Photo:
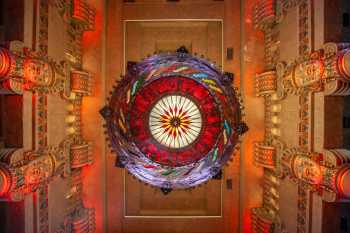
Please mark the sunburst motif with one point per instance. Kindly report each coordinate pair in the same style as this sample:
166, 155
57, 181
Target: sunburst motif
175, 121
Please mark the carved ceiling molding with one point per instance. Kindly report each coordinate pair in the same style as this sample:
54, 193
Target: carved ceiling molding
262, 221
326, 173
326, 70
22, 70
80, 17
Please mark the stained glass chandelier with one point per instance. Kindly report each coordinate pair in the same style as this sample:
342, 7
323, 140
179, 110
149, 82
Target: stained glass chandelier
173, 120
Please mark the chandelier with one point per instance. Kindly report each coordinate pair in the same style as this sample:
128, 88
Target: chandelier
173, 120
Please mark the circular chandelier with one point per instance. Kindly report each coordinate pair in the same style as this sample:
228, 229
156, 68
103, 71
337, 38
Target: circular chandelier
173, 120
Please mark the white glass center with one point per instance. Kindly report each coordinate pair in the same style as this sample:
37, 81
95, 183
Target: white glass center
175, 121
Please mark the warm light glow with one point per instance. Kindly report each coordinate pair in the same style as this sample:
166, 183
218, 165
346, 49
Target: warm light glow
274, 96
70, 107
276, 108
70, 130
5, 62
276, 131
275, 120
70, 119
343, 181
72, 96
274, 192
4, 182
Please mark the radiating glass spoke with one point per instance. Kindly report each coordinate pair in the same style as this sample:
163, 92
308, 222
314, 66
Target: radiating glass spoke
175, 121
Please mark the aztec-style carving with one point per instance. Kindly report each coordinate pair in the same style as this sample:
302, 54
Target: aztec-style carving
282, 7
31, 71
262, 221
83, 14
81, 155
270, 190
80, 17
304, 35
264, 19
81, 82
84, 221
23, 172
327, 173
264, 155
11, 86
266, 83
264, 14
77, 12
327, 69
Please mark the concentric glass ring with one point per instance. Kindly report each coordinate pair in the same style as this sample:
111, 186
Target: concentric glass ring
173, 120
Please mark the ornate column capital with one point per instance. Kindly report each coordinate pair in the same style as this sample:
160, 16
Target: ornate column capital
26, 70
264, 14
84, 221
83, 14
327, 70
262, 221
81, 82
264, 155
266, 83
81, 155
23, 172
328, 173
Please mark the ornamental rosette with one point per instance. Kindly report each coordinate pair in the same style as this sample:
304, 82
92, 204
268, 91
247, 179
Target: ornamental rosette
173, 120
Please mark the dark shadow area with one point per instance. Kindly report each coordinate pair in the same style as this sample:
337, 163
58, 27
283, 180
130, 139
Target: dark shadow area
346, 123
12, 217
337, 20
11, 123
336, 217
12, 20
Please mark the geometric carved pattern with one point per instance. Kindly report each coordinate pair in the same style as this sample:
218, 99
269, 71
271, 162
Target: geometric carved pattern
33, 71
264, 155
321, 172
84, 221
326, 70
21, 70
266, 83
263, 14
81, 155
83, 14
262, 221
11, 86
81, 82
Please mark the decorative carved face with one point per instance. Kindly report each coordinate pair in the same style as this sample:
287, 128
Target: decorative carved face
308, 73
307, 170
38, 72
38, 170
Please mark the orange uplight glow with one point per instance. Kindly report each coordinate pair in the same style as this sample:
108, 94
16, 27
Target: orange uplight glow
343, 180
5, 62
5, 183
83, 13
92, 186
